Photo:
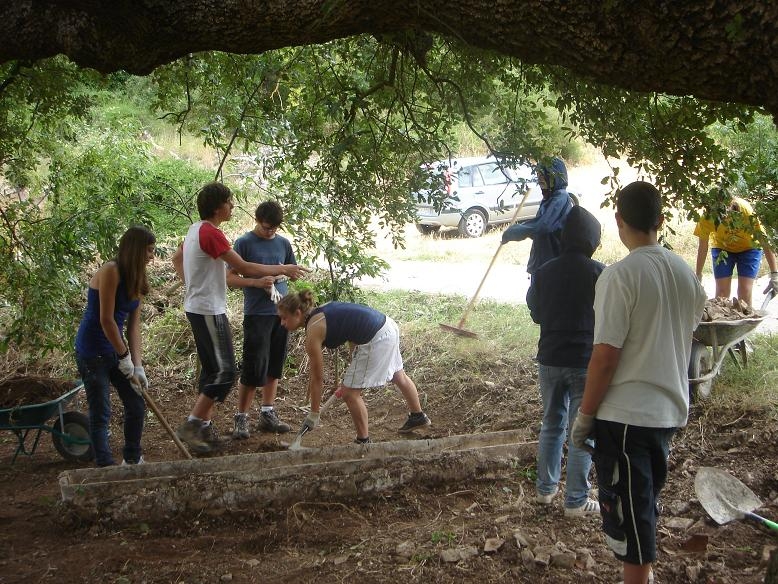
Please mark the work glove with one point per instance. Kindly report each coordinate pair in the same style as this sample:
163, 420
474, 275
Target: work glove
126, 366
275, 295
583, 429
140, 374
310, 422
772, 285
136, 386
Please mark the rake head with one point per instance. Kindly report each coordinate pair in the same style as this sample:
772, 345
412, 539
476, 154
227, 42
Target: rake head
458, 331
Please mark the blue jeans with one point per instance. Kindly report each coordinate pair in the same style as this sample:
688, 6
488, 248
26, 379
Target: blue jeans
561, 389
98, 373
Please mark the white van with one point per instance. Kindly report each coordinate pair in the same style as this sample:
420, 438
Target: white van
479, 194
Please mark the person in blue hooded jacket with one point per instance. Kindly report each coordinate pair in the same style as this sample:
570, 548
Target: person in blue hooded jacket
561, 301
546, 228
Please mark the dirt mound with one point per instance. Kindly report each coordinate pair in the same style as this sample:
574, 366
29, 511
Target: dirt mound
726, 309
27, 390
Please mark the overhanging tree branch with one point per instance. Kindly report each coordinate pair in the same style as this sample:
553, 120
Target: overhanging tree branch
722, 50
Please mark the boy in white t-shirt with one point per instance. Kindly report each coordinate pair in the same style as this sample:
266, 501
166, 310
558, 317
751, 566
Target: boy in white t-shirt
646, 308
201, 262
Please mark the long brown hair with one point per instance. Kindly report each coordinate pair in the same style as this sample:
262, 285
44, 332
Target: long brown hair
131, 260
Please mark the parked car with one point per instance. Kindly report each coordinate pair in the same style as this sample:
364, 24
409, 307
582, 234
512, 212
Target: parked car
477, 193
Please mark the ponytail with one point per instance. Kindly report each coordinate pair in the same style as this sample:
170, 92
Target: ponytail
303, 300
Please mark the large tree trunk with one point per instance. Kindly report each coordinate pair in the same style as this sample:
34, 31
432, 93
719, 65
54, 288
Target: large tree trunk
723, 50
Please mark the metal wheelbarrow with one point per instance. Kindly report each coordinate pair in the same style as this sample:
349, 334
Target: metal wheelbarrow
721, 338
69, 432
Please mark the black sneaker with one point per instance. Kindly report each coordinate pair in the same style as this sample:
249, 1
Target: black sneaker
414, 421
269, 422
363, 441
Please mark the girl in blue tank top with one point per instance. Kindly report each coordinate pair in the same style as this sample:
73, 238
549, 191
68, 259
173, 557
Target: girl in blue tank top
375, 361
102, 355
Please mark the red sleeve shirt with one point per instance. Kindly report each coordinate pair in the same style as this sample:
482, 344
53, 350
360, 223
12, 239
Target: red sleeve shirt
212, 240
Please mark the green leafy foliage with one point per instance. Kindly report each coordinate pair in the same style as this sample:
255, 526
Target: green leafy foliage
40, 106
337, 132
69, 219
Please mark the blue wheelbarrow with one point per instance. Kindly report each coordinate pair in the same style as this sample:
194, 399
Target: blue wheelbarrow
69, 432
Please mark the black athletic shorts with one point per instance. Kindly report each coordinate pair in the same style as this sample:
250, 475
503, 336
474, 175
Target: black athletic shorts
265, 344
631, 463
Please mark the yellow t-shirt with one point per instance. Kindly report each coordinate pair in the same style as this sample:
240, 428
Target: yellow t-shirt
736, 232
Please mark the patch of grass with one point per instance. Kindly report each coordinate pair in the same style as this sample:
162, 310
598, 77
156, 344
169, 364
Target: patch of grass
445, 537
528, 473
505, 332
756, 386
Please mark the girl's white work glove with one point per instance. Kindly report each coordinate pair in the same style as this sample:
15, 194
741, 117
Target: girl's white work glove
126, 366
140, 373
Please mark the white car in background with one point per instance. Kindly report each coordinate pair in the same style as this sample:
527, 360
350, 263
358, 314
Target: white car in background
479, 193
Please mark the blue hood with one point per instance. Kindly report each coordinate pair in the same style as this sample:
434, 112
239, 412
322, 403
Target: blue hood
555, 174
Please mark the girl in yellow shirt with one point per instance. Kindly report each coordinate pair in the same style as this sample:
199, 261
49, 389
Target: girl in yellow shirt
734, 242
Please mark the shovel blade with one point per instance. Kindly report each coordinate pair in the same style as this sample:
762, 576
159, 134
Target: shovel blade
723, 496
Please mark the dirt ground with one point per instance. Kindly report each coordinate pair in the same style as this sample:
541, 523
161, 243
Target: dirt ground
410, 535
492, 530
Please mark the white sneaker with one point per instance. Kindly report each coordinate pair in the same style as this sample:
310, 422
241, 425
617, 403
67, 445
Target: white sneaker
590, 507
546, 499
140, 461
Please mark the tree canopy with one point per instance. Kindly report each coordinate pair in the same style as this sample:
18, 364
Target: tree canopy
720, 50
338, 130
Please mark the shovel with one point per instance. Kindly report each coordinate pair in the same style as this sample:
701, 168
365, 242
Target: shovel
725, 498
296, 445
138, 387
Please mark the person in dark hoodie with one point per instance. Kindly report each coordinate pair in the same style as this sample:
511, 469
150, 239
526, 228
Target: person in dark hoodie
546, 228
561, 301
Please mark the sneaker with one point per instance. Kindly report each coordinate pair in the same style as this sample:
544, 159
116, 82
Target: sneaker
414, 421
211, 436
241, 431
590, 507
547, 498
189, 433
269, 422
130, 462
363, 441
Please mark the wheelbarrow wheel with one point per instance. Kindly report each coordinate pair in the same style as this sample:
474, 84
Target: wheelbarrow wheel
74, 445
700, 363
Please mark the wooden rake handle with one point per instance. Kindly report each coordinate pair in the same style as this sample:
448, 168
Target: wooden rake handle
164, 423
489, 269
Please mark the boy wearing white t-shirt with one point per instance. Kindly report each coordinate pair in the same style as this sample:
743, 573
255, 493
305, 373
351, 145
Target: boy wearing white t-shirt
201, 262
637, 389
